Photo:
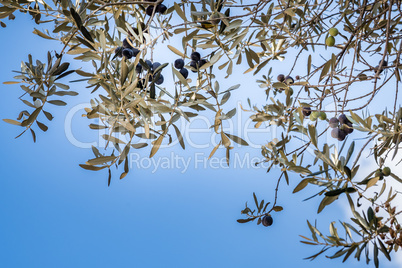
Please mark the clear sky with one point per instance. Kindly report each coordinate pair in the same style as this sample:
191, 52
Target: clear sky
55, 214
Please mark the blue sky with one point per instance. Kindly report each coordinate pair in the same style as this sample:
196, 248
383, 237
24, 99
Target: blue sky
55, 214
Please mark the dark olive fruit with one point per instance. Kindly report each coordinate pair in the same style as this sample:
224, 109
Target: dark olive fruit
348, 128
267, 220
215, 18
289, 80
384, 64
119, 52
378, 68
128, 53
160, 80
194, 65
297, 77
138, 68
343, 119
338, 134
161, 8
386, 171
135, 30
155, 66
148, 63
333, 122
195, 56
135, 52
126, 44
184, 72
142, 25
149, 10
281, 78
201, 62
306, 111
179, 64
378, 173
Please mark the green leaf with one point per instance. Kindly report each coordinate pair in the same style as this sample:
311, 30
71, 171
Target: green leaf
348, 172
11, 82
236, 139
63, 67
86, 43
90, 167
139, 145
179, 136
42, 126
109, 178
156, 146
384, 250
350, 251
326, 201
370, 214
179, 11
350, 152
112, 139
255, 200
33, 135
372, 182
76, 17
48, 115
176, 51
335, 192
277, 208
124, 154
57, 102
303, 184
244, 220
313, 134
100, 160
36, 31
86, 34
13, 122
325, 69
31, 118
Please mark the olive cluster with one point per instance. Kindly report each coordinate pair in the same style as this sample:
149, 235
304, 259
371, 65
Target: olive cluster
386, 171
314, 115
196, 61
160, 8
288, 80
179, 64
151, 70
330, 41
127, 50
341, 127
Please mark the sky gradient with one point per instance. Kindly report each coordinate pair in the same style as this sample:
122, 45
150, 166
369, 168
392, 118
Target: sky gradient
55, 214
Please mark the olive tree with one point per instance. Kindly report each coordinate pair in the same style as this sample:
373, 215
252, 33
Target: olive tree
340, 45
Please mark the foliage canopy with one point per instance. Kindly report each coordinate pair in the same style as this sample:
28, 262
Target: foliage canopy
342, 45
